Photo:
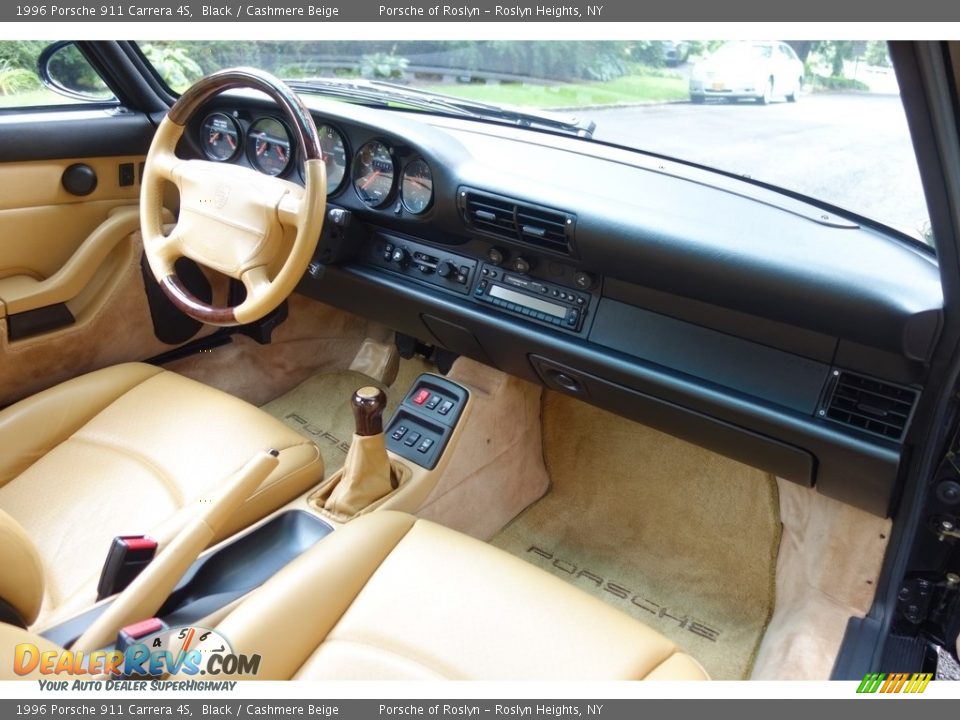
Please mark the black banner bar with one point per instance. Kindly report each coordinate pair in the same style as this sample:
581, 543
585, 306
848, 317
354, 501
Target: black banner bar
120, 706
472, 11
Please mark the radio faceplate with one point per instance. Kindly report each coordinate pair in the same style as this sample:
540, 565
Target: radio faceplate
531, 298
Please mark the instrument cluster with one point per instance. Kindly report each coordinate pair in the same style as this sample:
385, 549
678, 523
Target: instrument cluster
377, 175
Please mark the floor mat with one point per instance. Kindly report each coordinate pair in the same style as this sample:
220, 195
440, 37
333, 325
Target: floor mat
319, 408
680, 538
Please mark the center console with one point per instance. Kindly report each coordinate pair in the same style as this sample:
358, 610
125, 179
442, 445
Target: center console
420, 429
527, 287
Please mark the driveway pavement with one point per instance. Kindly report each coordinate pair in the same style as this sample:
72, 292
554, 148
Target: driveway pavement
852, 150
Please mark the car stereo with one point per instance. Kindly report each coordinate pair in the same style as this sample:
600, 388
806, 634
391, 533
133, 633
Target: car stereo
531, 298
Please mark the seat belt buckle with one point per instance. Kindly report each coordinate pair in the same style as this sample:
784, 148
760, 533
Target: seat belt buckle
134, 634
127, 557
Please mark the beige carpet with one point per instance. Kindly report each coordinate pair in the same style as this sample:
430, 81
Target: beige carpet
315, 338
319, 407
680, 538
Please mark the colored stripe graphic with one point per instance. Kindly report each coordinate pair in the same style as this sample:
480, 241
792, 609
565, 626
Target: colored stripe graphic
870, 683
894, 683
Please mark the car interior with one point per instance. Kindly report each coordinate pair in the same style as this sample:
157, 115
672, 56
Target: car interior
385, 394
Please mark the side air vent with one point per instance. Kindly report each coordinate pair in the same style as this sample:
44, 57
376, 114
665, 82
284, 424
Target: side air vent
867, 404
516, 221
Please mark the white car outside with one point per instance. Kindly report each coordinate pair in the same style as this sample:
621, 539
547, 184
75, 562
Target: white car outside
760, 71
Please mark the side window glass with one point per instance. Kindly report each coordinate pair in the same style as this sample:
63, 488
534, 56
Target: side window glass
69, 79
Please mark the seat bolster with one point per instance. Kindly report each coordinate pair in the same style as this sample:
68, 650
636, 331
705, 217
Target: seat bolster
445, 603
678, 666
291, 615
21, 577
37, 424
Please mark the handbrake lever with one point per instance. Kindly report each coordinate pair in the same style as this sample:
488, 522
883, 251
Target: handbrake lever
148, 591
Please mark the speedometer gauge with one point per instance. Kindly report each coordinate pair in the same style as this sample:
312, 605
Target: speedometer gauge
268, 146
417, 186
373, 173
334, 156
220, 137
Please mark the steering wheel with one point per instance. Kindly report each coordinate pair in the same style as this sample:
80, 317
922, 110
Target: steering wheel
257, 229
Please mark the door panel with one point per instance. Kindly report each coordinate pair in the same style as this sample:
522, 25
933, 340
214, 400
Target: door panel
72, 291
42, 224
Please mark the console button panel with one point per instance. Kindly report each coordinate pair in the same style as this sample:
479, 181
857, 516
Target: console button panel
421, 427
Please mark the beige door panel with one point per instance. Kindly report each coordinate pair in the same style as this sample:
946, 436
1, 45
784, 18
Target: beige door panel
23, 292
113, 325
84, 252
41, 224
38, 182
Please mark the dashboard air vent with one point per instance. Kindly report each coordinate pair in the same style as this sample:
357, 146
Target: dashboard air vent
517, 221
871, 405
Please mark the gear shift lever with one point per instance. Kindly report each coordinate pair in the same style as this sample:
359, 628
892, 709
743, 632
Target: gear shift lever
368, 405
367, 475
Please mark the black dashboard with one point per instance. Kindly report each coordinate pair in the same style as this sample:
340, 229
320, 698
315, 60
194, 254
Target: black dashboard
790, 337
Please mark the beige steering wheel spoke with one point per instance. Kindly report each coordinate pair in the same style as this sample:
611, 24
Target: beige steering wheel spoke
165, 166
290, 209
232, 219
165, 248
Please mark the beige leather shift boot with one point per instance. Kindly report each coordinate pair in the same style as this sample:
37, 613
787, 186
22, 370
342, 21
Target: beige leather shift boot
367, 475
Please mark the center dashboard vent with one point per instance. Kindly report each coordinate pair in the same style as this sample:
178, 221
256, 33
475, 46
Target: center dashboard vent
517, 221
871, 405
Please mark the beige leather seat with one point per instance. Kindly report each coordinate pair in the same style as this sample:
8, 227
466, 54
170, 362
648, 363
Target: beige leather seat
130, 449
393, 597
390, 597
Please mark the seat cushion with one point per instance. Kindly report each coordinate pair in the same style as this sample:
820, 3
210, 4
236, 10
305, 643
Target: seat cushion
392, 597
131, 449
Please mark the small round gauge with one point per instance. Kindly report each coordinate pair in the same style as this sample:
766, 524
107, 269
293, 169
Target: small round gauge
334, 156
373, 173
220, 137
268, 146
417, 186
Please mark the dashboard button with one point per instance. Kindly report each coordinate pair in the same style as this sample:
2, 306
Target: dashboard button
421, 397
425, 445
445, 407
399, 432
433, 402
412, 440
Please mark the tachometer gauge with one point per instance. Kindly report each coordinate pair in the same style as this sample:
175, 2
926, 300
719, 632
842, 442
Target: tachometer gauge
334, 156
220, 137
373, 173
417, 186
268, 146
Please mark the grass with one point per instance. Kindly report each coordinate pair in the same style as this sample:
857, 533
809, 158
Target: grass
39, 97
627, 89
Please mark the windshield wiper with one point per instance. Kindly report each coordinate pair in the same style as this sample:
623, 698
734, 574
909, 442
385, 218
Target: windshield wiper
385, 94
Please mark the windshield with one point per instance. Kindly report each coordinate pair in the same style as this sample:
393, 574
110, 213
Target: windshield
819, 118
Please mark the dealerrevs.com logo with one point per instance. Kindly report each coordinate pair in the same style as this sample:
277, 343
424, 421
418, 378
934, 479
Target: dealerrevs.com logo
186, 651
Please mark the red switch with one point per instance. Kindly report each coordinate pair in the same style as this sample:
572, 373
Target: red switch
421, 397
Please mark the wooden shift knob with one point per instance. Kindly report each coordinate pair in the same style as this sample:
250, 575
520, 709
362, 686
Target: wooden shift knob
368, 405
